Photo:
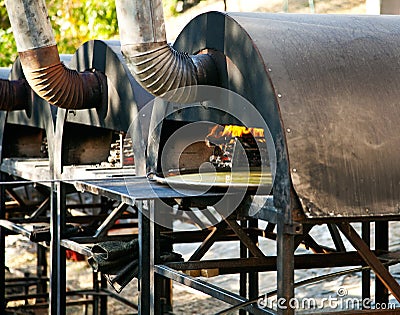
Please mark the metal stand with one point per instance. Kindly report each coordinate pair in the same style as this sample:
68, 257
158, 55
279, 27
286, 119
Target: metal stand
366, 274
363, 249
146, 261
285, 268
381, 247
57, 252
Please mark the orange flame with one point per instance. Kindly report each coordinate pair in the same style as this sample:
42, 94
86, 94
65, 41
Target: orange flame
231, 131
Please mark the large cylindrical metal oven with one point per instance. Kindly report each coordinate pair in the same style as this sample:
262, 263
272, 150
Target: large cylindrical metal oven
326, 87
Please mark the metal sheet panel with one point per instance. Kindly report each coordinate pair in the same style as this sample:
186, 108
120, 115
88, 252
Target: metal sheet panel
132, 189
336, 82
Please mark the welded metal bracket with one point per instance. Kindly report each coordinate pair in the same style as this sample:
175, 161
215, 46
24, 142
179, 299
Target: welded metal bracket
111, 219
293, 229
259, 207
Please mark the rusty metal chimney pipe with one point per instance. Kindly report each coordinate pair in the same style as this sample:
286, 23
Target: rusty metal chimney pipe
155, 64
14, 94
40, 60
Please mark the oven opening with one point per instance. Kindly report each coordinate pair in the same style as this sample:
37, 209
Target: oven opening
225, 141
211, 154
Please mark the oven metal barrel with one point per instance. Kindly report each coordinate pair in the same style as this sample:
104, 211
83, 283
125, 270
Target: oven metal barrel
328, 88
83, 136
23, 130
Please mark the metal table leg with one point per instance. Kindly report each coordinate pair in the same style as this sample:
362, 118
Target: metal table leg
381, 247
41, 270
146, 261
103, 299
57, 253
243, 275
285, 268
161, 219
253, 276
366, 274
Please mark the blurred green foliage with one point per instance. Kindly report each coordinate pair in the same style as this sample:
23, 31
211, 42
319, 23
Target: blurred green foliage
74, 22
7, 43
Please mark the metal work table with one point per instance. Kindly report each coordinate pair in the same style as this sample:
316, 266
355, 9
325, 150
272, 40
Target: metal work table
134, 188
28, 169
35, 169
147, 195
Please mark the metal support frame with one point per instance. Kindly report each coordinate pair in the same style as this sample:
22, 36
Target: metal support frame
253, 276
146, 262
248, 280
111, 219
57, 252
336, 238
288, 237
366, 274
243, 275
208, 242
103, 299
363, 249
244, 238
41, 270
210, 289
285, 267
381, 247
45, 205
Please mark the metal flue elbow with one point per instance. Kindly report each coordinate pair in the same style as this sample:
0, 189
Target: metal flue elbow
158, 67
44, 71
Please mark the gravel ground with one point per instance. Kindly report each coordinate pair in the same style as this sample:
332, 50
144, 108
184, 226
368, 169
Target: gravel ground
20, 258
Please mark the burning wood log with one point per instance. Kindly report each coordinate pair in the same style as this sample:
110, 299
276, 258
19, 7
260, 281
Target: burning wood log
236, 145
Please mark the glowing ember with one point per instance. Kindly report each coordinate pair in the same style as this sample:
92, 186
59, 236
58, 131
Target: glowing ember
231, 131
224, 140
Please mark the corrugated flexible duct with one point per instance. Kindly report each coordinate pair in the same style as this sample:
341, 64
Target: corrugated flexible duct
40, 60
13, 94
155, 64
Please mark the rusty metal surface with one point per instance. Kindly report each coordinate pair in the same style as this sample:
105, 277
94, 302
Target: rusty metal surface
58, 84
329, 87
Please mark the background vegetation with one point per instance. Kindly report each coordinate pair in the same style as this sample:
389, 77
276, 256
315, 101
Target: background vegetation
74, 22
